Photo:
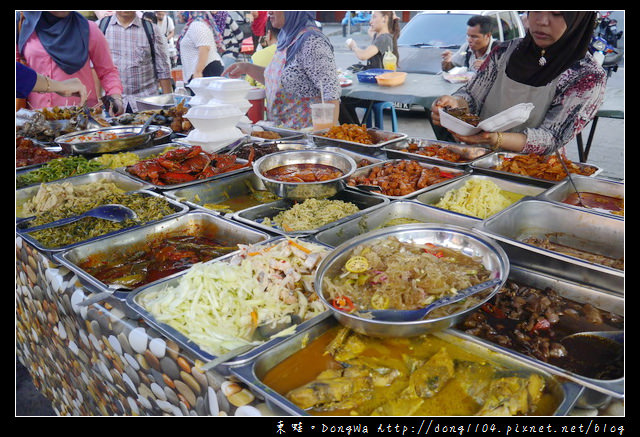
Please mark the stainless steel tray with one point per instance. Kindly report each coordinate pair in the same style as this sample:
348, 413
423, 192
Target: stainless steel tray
569, 290
285, 134
486, 165
398, 209
193, 223
254, 216
129, 137
559, 192
178, 208
383, 138
133, 300
432, 197
121, 181
252, 372
357, 157
458, 173
216, 191
583, 230
186, 184
468, 153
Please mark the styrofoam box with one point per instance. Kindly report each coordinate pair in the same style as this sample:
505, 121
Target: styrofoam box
213, 117
500, 122
229, 89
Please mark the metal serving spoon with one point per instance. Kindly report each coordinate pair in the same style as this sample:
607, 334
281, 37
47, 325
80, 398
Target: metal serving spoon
616, 336
111, 212
413, 315
262, 333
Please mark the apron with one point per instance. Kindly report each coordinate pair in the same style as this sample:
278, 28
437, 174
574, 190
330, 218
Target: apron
285, 108
506, 93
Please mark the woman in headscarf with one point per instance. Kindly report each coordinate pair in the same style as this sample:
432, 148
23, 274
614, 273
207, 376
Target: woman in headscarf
302, 71
550, 67
198, 46
63, 45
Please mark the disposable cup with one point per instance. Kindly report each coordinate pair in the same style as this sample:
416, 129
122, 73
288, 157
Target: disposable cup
322, 115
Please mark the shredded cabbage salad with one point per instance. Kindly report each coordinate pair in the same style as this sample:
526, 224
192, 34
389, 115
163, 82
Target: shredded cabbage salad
219, 305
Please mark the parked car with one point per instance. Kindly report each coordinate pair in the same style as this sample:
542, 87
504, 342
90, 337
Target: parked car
423, 39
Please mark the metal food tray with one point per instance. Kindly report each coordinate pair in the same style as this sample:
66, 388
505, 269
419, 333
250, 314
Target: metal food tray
193, 223
583, 230
469, 153
573, 291
383, 138
357, 157
121, 181
253, 371
365, 171
216, 191
133, 299
285, 134
486, 165
177, 207
587, 184
255, 215
398, 209
134, 140
432, 197
123, 170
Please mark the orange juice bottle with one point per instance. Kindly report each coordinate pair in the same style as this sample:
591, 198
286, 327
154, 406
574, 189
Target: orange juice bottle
389, 61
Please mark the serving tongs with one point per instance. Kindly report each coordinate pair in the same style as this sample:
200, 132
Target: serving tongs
419, 314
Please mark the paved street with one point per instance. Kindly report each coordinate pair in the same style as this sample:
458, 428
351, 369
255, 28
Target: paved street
607, 151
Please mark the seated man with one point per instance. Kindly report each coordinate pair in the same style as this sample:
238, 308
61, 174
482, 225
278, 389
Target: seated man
477, 47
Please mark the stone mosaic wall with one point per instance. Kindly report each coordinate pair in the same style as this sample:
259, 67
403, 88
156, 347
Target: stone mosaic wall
100, 360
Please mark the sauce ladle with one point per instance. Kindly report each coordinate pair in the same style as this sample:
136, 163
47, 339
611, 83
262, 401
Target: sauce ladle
413, 315
111, 212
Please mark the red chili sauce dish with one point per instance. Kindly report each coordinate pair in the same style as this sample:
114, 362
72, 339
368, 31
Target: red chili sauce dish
156, 259
595, 200
305, 172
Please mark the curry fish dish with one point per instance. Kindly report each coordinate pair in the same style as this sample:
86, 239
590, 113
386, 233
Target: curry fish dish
344, 373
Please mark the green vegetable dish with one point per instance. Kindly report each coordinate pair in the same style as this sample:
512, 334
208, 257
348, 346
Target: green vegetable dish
147, 207
58, 169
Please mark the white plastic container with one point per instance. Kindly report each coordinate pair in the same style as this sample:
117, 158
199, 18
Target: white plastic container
229, 89
505, 120
213, 141
200, 87
213, 117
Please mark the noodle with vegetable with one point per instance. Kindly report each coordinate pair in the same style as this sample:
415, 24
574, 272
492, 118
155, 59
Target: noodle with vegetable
392, 274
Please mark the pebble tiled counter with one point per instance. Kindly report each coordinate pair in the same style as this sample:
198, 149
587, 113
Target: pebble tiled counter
96, 360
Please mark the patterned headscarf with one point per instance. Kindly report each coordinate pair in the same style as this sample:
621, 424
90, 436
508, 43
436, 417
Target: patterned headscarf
206, 17
294, 23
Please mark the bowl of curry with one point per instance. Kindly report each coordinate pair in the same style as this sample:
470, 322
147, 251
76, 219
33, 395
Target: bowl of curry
303, 174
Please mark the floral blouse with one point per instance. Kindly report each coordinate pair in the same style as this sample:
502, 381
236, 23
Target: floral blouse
579, 93
313, 68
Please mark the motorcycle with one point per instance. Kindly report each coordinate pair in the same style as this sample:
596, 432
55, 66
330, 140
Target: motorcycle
605, 54
608, 29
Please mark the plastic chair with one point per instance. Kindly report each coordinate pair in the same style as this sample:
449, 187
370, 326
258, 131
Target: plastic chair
377, 110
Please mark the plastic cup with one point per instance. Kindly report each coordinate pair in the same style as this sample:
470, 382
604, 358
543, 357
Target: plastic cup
322, 115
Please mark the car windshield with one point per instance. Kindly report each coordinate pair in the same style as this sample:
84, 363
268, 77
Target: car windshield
438, 30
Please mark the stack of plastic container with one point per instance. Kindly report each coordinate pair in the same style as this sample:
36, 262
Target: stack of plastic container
230, 92
215, 126
200, 87
214, 121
